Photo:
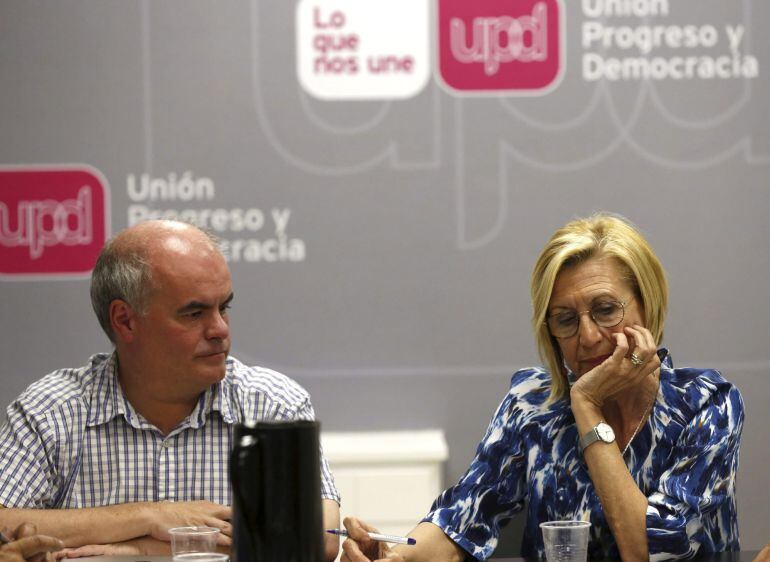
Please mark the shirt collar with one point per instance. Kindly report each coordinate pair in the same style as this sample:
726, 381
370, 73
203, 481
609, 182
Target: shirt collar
215, 399
221, 394
665, 358
108, 400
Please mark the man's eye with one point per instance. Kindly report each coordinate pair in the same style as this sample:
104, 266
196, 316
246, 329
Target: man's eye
196, 314
225, 307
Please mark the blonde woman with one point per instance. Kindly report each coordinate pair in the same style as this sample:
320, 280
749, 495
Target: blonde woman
609, 431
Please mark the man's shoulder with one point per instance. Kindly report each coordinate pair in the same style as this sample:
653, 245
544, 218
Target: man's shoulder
261, 381
62, 386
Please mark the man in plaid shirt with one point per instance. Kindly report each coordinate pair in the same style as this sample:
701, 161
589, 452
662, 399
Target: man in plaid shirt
137, 441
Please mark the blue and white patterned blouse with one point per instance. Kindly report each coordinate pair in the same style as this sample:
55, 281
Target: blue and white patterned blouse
684, 459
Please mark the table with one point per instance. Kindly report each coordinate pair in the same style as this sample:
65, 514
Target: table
742, 556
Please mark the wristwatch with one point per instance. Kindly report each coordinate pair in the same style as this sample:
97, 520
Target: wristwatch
601, 432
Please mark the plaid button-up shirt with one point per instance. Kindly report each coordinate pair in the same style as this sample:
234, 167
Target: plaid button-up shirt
73, 440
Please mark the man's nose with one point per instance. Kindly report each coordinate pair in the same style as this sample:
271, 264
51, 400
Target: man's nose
219, 327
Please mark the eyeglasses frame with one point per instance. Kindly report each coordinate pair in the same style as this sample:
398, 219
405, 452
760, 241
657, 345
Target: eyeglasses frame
581, 312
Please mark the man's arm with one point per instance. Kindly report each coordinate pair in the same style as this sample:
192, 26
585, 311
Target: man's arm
119, 523
331, 519
143, 546
331, 508
148, 546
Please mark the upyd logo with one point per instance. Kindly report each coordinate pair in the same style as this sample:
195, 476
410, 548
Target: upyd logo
510, 45
53, 221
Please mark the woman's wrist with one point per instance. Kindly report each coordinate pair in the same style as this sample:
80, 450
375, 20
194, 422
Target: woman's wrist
580, 399
587, 413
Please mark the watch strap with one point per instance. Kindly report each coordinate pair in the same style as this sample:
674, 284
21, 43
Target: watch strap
593, 436
589, 438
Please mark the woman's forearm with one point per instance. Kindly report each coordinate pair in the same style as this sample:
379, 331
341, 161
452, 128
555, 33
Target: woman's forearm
623, 503
432, 546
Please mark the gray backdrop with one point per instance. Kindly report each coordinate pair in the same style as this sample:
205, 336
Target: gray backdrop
414, 223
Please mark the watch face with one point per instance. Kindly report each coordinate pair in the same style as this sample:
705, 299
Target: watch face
605, 433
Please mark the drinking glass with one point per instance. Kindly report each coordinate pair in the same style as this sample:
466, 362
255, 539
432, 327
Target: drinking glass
565, 541
195, 544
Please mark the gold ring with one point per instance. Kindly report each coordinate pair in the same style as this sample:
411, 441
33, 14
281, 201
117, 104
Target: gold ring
636, 360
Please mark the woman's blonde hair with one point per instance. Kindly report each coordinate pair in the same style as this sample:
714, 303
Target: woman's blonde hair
604, 235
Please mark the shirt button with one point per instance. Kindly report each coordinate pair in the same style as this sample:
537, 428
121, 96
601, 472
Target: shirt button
166, 444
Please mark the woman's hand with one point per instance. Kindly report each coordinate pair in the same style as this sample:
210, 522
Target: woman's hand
618, 372
358, 547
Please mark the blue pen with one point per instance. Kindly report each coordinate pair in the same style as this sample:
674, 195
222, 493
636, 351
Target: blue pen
376, 537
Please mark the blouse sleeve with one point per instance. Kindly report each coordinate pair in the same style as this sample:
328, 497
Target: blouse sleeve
494, 487
693, 508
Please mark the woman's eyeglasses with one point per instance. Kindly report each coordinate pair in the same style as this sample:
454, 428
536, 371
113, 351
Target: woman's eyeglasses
606, 314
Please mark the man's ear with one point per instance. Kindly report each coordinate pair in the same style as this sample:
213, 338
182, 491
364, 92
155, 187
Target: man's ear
123, 321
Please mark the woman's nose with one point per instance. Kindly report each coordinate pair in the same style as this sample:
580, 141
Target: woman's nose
589, 331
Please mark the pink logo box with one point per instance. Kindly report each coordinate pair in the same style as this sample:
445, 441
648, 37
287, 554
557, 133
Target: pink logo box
53, 221
511, 45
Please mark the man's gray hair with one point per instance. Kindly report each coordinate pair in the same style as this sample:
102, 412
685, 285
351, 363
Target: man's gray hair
122, 274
